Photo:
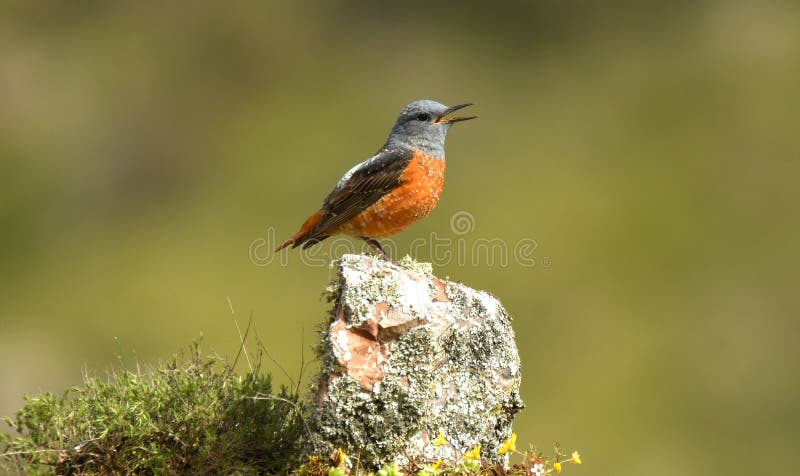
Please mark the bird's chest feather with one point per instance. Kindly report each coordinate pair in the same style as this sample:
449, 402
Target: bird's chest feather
421, 186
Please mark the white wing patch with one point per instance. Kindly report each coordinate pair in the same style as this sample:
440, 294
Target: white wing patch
356, 168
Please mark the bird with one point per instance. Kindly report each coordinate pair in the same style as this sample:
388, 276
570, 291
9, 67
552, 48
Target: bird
396, 187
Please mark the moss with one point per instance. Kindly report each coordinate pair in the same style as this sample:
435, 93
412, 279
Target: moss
190, 415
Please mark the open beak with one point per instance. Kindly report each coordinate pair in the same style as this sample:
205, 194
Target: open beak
451, 109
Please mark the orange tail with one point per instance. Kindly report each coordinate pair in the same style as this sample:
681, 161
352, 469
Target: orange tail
300, 236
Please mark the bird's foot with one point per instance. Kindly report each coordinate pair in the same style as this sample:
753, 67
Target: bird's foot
375, 244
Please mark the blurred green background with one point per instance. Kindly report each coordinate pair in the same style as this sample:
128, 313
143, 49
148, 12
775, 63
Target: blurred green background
649, 148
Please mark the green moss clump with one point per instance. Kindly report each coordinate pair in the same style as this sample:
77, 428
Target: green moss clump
192, 415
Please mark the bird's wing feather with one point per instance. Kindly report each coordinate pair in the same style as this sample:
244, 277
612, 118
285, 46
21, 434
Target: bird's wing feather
362, 186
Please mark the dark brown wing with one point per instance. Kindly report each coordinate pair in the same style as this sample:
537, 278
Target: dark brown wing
362, 186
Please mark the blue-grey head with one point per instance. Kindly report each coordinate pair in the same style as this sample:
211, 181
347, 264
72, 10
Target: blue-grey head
423, 125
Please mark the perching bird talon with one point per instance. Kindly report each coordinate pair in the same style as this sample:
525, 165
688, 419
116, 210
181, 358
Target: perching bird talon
376, 245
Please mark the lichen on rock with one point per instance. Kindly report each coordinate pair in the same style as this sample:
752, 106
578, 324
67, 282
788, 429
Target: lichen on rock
407, 357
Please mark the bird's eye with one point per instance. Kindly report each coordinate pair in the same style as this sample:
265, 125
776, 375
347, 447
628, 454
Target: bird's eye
424, 117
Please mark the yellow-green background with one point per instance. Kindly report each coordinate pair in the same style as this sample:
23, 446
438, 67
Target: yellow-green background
650, 149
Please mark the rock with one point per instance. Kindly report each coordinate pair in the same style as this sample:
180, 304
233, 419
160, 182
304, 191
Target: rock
407, 357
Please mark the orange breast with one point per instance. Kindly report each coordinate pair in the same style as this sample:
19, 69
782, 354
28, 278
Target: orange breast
422, 184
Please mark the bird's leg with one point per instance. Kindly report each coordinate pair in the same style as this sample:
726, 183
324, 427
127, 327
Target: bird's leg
375, 244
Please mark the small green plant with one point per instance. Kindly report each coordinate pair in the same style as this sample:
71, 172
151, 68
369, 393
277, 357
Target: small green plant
533, 463
192, 414
391, 469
